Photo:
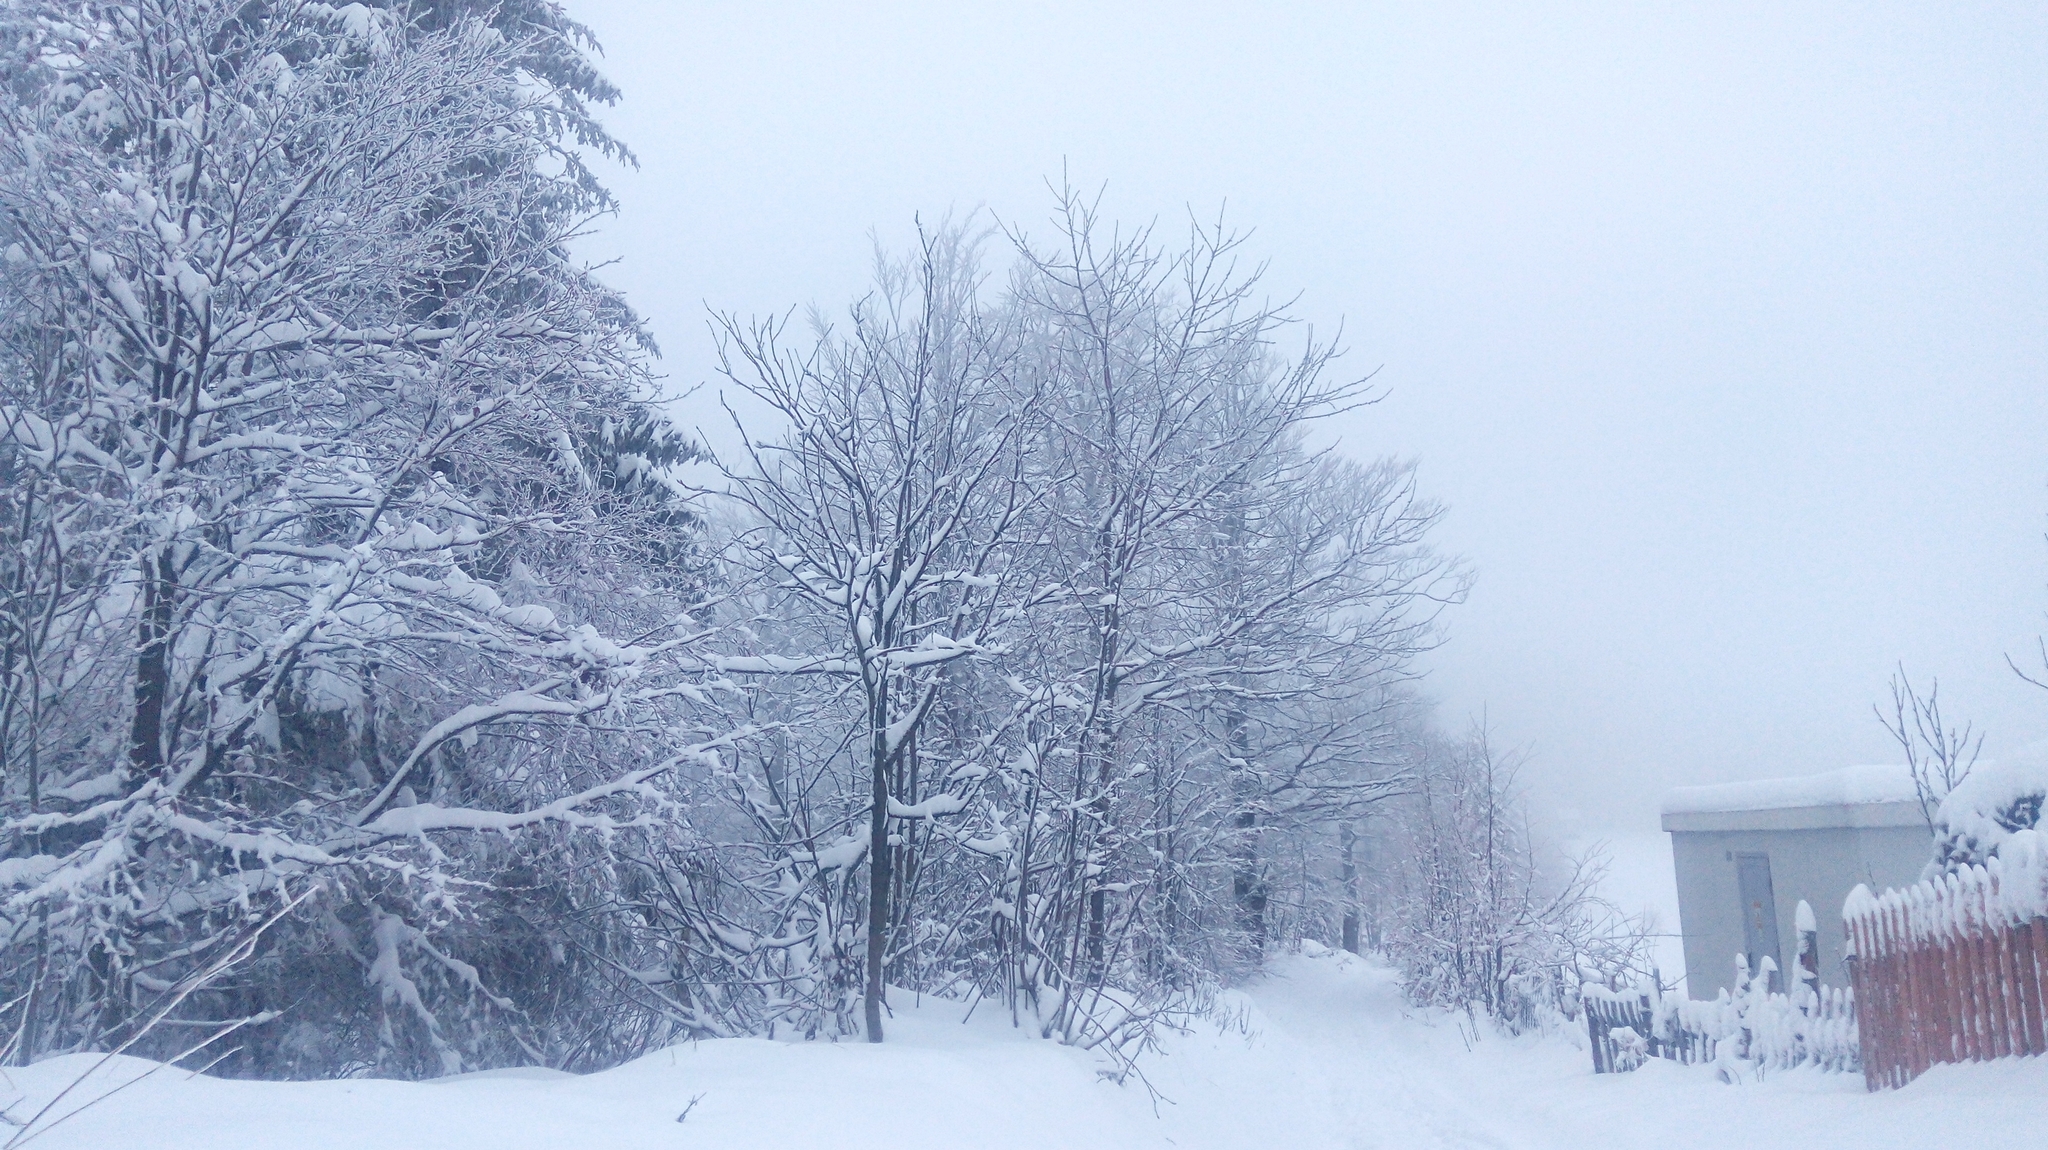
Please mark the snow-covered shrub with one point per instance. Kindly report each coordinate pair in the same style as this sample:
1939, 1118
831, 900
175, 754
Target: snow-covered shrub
1475, 915
1743, 1033
1981, 815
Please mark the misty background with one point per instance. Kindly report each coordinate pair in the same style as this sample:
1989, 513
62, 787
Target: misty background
1720, 328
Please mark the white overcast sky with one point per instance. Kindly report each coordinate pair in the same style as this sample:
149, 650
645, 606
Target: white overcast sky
1720, 327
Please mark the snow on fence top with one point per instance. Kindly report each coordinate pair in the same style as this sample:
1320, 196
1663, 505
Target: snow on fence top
1848, 786
1744, 1032
2008, 889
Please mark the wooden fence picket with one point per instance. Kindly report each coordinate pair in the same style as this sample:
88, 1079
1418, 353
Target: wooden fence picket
2005, 981
1931, 1017
2026, 949
1954, 969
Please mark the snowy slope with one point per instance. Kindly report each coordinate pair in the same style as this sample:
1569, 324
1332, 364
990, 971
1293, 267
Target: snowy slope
939, 1082
1642, 880
1332, 1059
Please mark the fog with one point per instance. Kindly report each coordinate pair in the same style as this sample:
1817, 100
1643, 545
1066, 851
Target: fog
1719, 328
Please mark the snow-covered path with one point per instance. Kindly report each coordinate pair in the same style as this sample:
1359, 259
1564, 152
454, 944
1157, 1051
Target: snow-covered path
1326, 1056
1381, 1066
1398, 1078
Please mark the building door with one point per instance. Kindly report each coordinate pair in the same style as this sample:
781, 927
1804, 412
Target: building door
1759, 913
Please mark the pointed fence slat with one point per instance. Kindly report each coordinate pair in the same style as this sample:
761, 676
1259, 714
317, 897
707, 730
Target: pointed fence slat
2026, 949
1954, 969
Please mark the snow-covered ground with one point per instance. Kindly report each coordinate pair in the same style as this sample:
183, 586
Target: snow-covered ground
1325, 1056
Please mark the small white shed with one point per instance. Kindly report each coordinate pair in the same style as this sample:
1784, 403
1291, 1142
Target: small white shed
1747, 853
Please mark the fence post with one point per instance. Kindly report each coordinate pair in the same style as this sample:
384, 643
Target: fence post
1920, 1011
2025, 951
1646, 1013
2034, 983
1593, 1035
1984, 903
1885, 998
1970, 925
1809, 949
2012, 1034
1856, 945
1954, 970
2009, 989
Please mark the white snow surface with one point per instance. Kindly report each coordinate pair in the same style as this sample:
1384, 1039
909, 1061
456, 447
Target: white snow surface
1848, 786
1327, 1056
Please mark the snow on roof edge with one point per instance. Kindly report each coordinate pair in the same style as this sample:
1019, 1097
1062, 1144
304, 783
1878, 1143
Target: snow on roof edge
1848, 786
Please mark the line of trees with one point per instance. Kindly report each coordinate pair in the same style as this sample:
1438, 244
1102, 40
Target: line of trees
1103, 629
1029, 653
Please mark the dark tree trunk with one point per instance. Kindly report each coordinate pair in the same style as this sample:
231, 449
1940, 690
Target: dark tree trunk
1350, 837
903, 867
152, 670
1101, 742
1248, 887
1247, 872
879, 856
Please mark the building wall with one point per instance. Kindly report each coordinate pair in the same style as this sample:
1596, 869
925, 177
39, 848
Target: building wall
1821, 865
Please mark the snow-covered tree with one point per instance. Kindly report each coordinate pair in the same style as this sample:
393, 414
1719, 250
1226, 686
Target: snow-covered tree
1216, 580
887, 513
338, 551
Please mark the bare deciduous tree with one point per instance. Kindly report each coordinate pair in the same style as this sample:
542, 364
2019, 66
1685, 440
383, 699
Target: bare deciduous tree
889, 510
1938, 755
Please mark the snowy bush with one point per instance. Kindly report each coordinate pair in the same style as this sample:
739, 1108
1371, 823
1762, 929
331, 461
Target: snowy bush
1474, 914
1744, 1033
1976, 820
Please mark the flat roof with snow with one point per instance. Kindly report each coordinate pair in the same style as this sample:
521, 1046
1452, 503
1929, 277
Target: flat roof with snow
1870, 796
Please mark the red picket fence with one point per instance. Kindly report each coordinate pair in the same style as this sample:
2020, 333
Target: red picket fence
1953, 970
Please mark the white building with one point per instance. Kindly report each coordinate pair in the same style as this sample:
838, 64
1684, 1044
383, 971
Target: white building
1747, 853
